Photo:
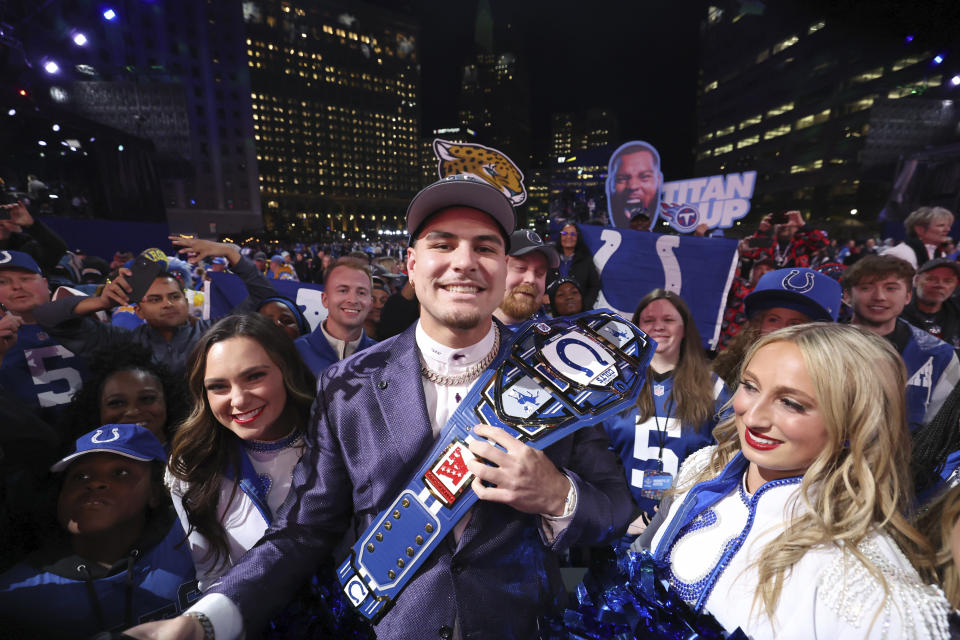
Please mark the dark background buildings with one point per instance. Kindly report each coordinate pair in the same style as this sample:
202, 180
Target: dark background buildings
313, 119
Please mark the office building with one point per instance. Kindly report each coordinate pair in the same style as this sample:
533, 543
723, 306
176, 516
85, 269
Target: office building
335, 100
171, 72
495, 92
820, 109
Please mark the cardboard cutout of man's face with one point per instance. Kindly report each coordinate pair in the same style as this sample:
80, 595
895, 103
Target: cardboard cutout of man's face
634, 182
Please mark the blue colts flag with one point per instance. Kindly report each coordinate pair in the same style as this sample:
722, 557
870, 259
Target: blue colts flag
632, 263
227, 291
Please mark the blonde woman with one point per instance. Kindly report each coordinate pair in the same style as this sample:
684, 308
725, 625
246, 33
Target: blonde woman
793, 526
941, 524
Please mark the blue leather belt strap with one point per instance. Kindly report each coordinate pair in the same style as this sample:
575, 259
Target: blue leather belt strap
551, 378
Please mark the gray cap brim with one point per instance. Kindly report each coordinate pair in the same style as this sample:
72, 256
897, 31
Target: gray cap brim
548, 251
460, 193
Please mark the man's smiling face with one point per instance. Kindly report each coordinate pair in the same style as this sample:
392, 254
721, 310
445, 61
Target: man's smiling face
458, 269
525, 285
346, 295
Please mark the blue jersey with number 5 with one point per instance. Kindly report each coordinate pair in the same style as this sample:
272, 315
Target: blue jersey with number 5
41, 372
638, 443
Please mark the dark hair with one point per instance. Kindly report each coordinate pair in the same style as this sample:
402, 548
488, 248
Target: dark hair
580, 248
555, 286
302, 325
83, 413
172, 276
878, 267
204, 451
692, 393
636, 147
933, 442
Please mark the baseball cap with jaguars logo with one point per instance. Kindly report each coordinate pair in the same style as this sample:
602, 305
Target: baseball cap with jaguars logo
465, 191
524, 241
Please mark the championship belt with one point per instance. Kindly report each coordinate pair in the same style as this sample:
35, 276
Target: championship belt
550, 379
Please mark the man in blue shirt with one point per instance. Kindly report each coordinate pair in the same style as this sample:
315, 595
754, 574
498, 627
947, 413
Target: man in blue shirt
348, 299
169, 331
38, 369
878, 288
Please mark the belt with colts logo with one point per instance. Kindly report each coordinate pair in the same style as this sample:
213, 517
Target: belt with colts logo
550, 379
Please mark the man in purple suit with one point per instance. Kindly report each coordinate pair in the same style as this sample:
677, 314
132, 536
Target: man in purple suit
376, 418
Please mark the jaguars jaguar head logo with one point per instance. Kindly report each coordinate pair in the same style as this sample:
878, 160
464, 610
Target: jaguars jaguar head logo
490, 165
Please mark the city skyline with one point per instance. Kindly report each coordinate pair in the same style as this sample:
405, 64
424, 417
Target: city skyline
640, 63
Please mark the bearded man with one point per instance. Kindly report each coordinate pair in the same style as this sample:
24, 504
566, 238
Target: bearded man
527, 266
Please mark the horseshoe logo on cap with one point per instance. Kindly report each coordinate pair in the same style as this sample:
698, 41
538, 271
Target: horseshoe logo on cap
5, 257
96, 439
799, 288
533, 237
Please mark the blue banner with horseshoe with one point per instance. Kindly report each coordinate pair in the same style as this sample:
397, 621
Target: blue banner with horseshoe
633, 263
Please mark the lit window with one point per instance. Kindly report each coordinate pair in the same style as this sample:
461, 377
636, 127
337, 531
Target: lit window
817, 118
803, 168
777, 132
785, 44
763, 55
727, 148
867, 76
903, 63
859, 105
710, 86
725, 131
749, 122
915, 88
816, 26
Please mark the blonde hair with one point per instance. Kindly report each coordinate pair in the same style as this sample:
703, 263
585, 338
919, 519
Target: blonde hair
937, 524
924, 217
860, 482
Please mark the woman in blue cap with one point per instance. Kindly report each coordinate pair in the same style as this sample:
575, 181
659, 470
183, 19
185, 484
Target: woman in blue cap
119, 558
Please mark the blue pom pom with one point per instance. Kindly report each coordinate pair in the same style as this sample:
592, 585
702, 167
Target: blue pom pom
632, 599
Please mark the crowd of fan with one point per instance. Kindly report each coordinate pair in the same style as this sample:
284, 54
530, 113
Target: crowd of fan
108, 372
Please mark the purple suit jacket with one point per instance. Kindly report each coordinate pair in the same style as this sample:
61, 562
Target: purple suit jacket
369, 433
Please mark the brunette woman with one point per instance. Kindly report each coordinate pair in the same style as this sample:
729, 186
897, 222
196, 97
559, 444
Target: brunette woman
233, 458
577, 263
678, 405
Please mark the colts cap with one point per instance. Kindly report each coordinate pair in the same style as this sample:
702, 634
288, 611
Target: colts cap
18, 260
465, 191
805, 290
128, 440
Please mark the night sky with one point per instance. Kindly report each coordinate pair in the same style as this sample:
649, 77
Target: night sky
637, 57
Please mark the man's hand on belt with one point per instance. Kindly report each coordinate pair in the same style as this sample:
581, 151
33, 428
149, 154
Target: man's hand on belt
524, 478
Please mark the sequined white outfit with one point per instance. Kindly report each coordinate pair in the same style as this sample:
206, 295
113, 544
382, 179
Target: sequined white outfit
828, 594
241, 518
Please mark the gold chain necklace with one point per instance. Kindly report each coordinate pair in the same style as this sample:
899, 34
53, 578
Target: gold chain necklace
470, 374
